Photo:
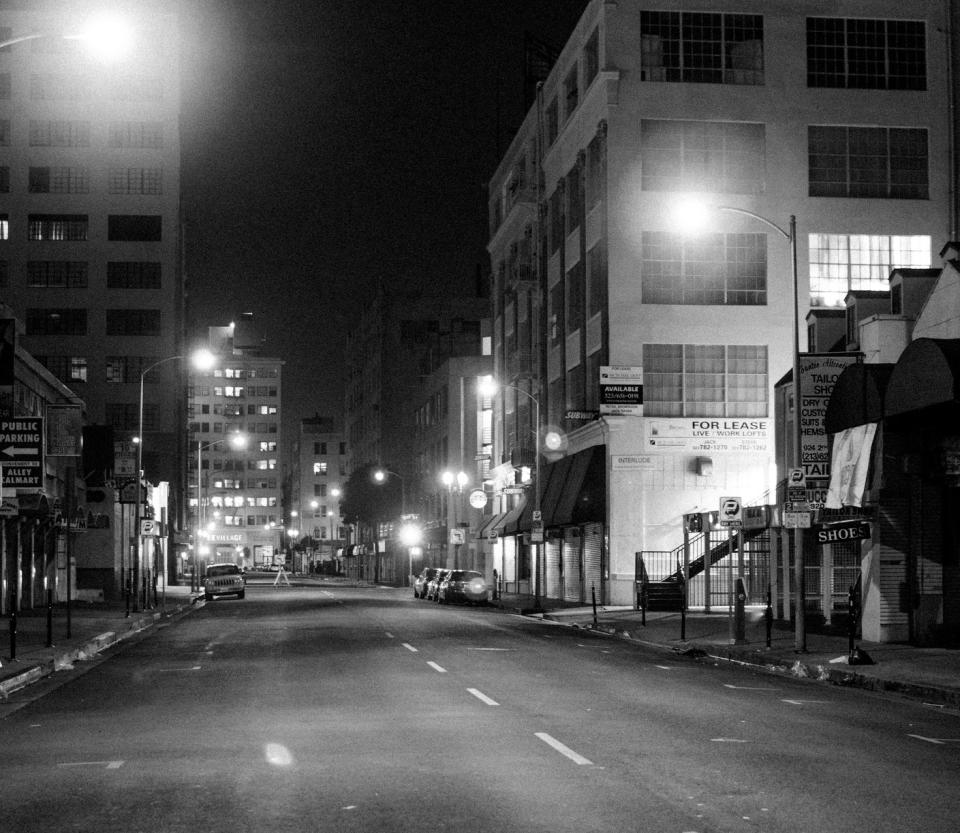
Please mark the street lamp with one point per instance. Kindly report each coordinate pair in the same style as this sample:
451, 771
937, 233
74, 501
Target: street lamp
381, 475
105, 38
790, 235
202, 360
455, 483
488, 387
238, 441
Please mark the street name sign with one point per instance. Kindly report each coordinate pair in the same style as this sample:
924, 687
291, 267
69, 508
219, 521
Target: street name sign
21, 452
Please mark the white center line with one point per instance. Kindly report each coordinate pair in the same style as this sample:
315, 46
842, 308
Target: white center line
483, 697
564, 750
436, 667
409, 647
388, 634
107, 764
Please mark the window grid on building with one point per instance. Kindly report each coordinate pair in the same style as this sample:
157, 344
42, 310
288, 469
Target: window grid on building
135, 134
719, 157
135, 181
721, 268
701, 47
59, 133
840, 263
58, 180
881, 162
56, 321
61, 227
133, 275
58, 274
866, 54
133, 322
693, 380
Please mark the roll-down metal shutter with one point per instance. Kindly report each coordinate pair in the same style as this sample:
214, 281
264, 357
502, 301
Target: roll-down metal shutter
572, 577
554, 583
593, 561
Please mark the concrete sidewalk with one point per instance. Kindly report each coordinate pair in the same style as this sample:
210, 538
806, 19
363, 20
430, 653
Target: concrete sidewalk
94, 627
931, 675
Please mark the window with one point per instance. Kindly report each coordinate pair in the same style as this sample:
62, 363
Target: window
596, 280
66, 368
574, 195
571, 92
6, 89
4, 132
882, 162
556, 219
701, 47
59, 134
123, 416
555, 312
58, 180
866, 54
4, 179
51, 321
54, 86
320, 468
59, 274
130, 368
57, 226
727, 269
840, 263
135, 181
4, 274
133, 322
721, 157
135, 227
705, 380
591, 58
553, 122
574, 296
136, 134
133, 275
593, 187
4, 226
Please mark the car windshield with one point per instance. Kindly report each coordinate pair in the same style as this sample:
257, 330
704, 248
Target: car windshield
459, 575
223, 570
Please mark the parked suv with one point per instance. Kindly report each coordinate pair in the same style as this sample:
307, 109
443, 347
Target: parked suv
463, 586
223, 580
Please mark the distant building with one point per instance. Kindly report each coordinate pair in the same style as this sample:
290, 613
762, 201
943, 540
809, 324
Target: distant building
652, 352
240, 509
319, 472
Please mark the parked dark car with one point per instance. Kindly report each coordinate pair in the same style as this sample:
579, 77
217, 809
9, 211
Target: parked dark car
464, 586
433, 586
420, 582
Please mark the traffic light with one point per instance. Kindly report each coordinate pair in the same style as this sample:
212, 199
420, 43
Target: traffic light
695, 523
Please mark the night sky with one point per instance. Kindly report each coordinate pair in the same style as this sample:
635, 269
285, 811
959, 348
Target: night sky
330, 143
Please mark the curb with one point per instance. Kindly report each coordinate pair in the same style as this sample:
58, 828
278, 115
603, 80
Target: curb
816, 672
65, 660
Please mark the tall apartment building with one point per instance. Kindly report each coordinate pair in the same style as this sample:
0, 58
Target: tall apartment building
839, 117
319, 472
239, 509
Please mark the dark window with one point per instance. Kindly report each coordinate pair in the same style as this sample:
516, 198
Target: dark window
133, 322
866, 54
877, 162
135, 227
591, 58
133, 275
60, 274
52, 321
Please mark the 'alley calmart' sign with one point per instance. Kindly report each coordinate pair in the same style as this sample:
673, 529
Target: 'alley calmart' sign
21, 452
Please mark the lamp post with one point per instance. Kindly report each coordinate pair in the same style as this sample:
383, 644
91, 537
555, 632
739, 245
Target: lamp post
381, 475
489, 388
790, 235
106, 38
455, 484
202, 359
238, 441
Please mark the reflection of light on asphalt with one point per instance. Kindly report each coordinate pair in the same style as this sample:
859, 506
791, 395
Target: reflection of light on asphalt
278, 755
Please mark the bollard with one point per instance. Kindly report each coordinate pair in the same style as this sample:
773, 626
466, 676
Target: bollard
13, 626
740, 617
49, 617
593, 593
768, 617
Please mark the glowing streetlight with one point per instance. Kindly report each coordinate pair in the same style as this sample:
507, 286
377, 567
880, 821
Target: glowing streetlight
695, 214
105, 38
381, 476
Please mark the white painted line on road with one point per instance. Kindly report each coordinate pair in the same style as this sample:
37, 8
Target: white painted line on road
410, 647
491, 649
388, 634
483, 697
665, 667
802, 702
576, 757
936, 741
748, 688
728, 740
172, 670
436, 667
106, 764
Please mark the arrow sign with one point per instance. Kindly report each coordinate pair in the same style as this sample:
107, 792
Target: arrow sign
19, 451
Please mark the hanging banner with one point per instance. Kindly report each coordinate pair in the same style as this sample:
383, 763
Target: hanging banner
848, 468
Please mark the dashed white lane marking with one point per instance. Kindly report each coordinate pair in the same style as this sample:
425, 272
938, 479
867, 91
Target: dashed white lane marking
802, 702
436, 667
409, 647
936, 741
491, 649
388, 634
728, 740
172, 670
105, 764
576, 757
665, 667
748, 688
483, 697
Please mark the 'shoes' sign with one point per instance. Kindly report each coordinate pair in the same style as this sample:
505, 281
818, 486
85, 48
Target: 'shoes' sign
845, 531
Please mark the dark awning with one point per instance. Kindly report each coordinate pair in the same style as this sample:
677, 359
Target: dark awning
857, 397
507, 523
486, 524
926, 376
574, 490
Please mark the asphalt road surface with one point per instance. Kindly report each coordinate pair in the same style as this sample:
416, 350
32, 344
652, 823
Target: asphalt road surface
361, 709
